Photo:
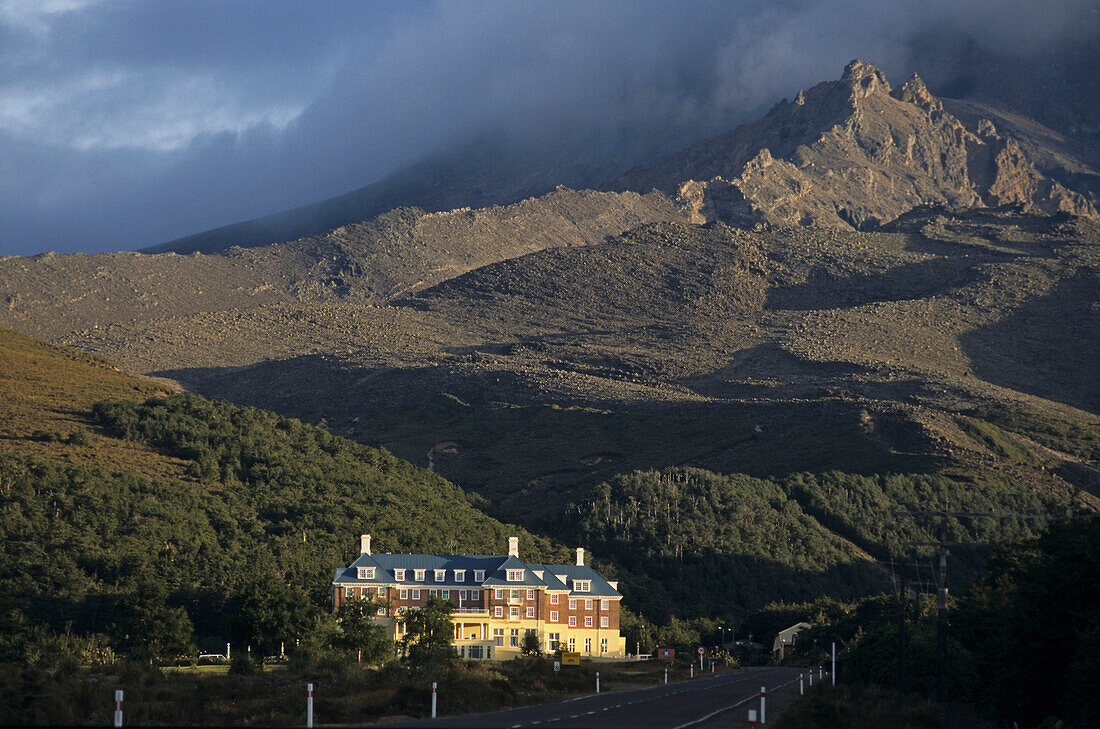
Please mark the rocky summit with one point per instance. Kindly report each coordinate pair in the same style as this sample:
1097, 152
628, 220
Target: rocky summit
852, 153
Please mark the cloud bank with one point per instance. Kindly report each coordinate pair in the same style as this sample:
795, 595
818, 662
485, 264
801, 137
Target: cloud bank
124, 124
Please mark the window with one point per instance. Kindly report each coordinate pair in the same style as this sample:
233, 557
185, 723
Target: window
498, 635
572, 644
530, 612
588, 621
366, 573
498, 594
462, 595
403, 594
554, 599
460, 575
399, 575
416, 595
498, 612
553, 616
530, 594
513, 638
515, 575
603, 604
588, 604
418, 575
572, 621
479, 575
582, 585
604, 622
446, 594
381, 592
515, 595
440, 575
349, 592
603, 645
553, 639
475, 595
572, 604
513, 612
588, 646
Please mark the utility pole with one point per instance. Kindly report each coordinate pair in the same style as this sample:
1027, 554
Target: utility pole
901, 632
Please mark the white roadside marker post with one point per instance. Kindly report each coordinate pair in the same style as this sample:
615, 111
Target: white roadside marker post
597, 681
309, 705
801, 684
666, 675
820, 673
752, 718
118, 708
811, 677
692, 674
763, 693
434, 697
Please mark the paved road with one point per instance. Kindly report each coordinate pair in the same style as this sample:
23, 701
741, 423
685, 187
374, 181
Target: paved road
660, 707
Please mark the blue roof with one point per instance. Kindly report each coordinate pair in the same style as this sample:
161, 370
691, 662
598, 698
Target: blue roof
495, 568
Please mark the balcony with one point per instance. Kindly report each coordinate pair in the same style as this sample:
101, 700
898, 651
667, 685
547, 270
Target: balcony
472, 611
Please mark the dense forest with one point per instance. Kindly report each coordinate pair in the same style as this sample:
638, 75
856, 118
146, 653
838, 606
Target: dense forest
694, 543
1022, 644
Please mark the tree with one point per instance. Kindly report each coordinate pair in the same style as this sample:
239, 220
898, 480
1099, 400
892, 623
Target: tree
271, 612
358, 631
152, 630
429, 634
531, 645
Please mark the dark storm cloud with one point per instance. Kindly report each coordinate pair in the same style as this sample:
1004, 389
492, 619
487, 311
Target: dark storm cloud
123, 124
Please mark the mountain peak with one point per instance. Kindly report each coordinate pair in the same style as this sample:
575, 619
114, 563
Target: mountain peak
915, 92
864, 79
852, 153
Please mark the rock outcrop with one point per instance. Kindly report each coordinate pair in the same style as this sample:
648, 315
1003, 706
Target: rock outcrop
852, 153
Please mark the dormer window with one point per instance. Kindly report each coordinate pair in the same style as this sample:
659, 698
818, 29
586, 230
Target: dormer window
399, 575
418, 575
366, 573
582, 585
515, 576
479, 575
460, 575
440, 575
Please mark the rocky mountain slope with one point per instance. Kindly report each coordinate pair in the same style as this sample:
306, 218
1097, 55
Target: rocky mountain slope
370, 262
953, 342
852, 153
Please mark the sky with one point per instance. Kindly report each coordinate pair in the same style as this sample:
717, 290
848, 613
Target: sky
127, 123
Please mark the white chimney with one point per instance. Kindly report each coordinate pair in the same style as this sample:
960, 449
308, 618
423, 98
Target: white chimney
580, 556
364, 544
513, 546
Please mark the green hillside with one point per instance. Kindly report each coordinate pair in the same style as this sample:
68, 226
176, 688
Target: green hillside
105, 491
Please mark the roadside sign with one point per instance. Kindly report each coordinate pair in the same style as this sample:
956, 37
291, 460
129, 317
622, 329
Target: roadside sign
701, 650
557, 666
570, 658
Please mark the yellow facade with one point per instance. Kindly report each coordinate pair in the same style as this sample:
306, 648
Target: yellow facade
479, 635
